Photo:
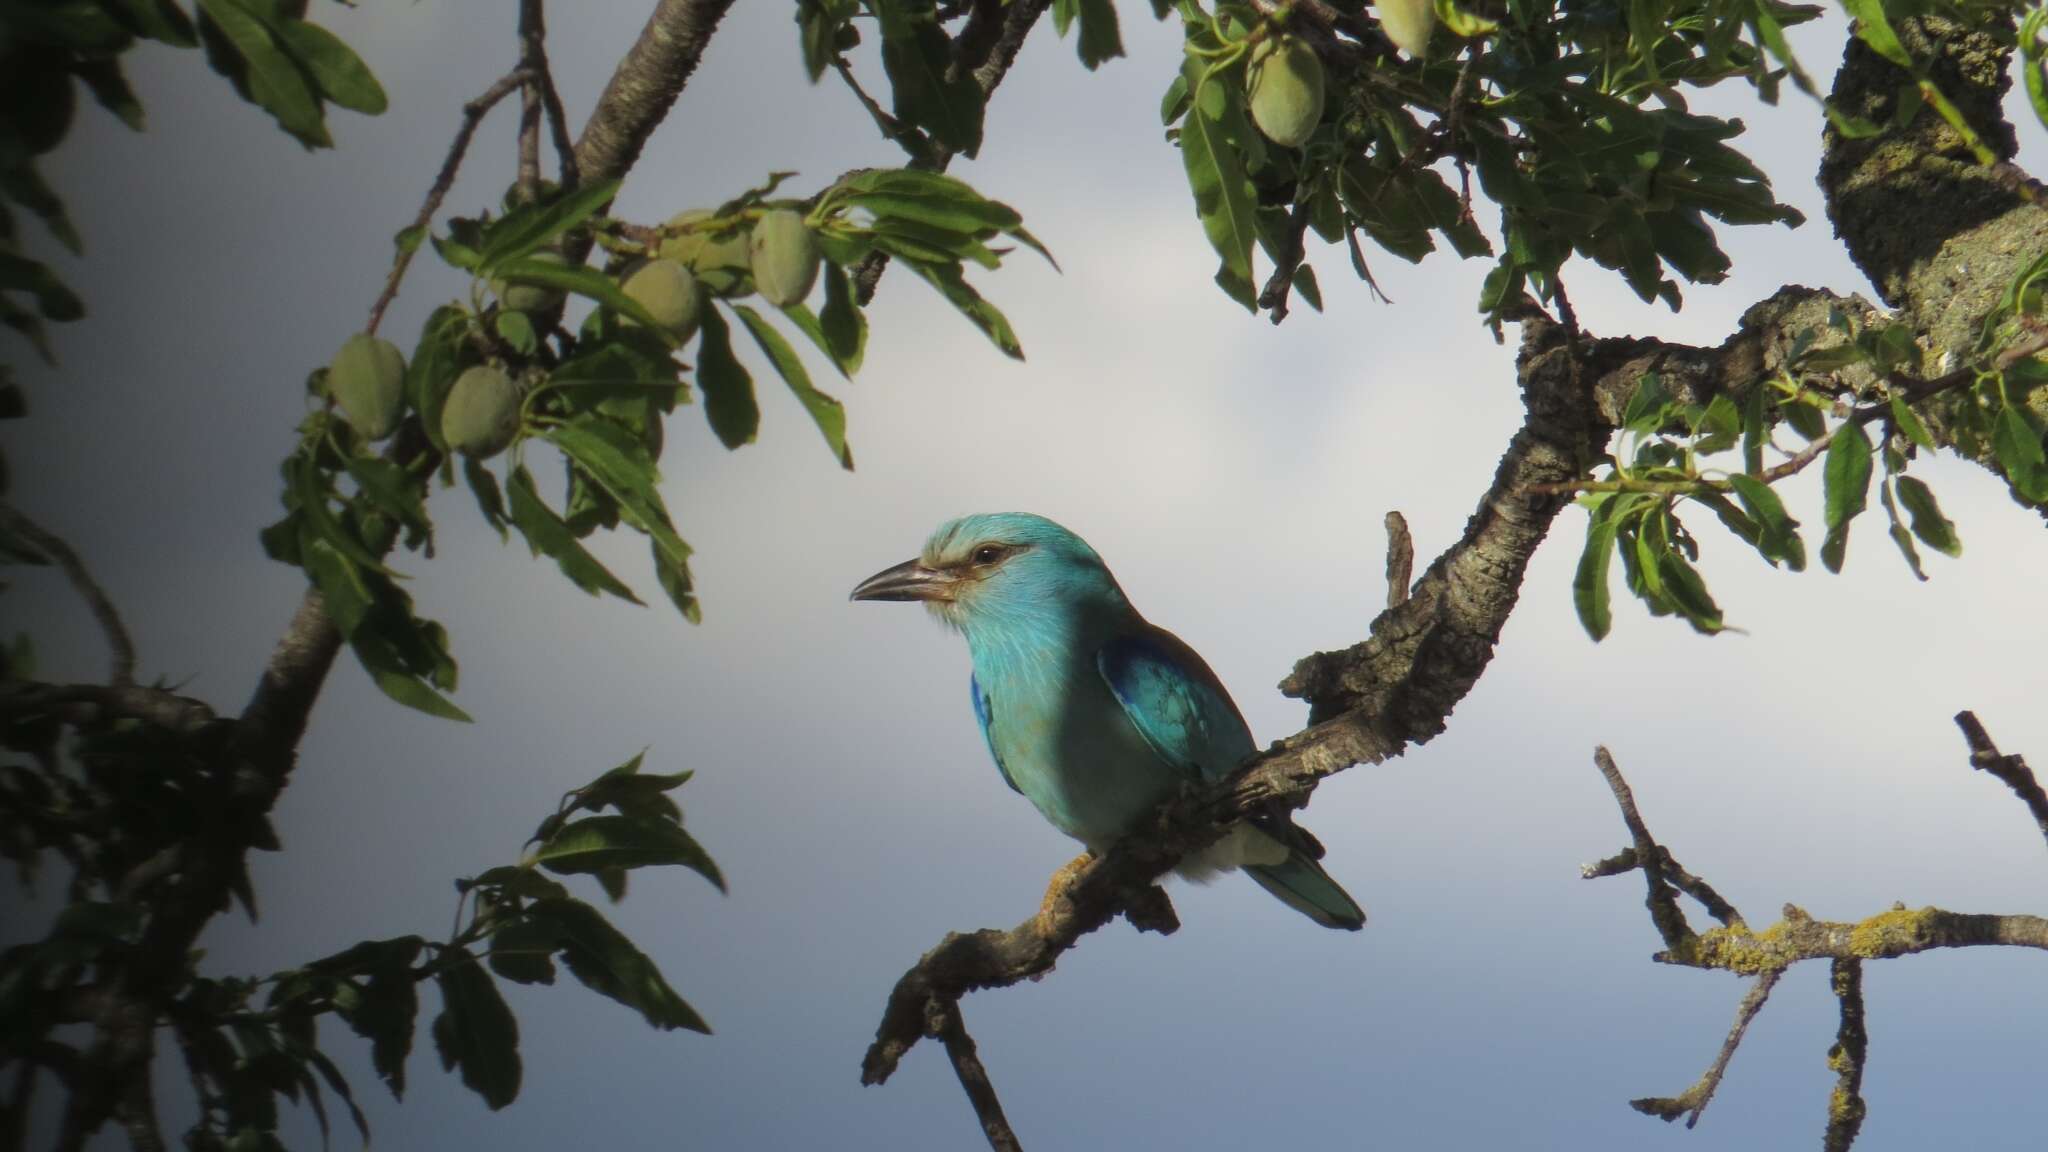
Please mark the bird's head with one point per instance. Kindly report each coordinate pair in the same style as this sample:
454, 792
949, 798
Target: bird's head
997, 568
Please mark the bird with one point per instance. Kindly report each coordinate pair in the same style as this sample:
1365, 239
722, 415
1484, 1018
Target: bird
1093, 713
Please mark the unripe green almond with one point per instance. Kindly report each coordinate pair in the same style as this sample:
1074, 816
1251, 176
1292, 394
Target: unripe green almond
481, 416
531, 297
1407, 23
1286, 90
784, 258
367, 379
720, 262
670, 294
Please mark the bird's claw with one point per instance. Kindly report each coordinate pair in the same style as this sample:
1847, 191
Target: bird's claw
1056, 891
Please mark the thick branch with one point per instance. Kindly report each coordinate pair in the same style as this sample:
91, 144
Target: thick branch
645, 86
85, 704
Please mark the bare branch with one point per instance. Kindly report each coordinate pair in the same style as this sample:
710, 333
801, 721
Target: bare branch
1674, 873
472, 115
943, 1021
1695, 1099
2012, 770
1400, 559
14, 521
1662, 898
1846, 1057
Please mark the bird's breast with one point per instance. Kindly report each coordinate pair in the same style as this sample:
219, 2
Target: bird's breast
1070, 749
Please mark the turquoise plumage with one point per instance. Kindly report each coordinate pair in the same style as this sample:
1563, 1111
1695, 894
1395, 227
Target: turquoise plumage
1094, 714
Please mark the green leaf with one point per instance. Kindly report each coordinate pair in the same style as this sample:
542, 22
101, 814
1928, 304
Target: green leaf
844, 326
828, 413
436, 361
476, 1033
391, 490
728, 388
274, 82
1845, 487
1688, 593
952, 284
1900, 536
547, 535
1909, 423
583, 280
1223, 193
490, 501
2017, 444
619, 463
609, 964
1100, 37
340, 73
674, 579
517, 332
1873, 29
521, 951
1753, 438
1779, 533
597, 843
1645, 411
1934, 530
916, 55
1719, 427
1589, 582
527, 229
385, 1005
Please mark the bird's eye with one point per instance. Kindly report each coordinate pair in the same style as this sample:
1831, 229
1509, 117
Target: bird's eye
988, 553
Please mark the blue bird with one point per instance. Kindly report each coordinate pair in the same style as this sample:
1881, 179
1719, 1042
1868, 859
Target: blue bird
1094, 714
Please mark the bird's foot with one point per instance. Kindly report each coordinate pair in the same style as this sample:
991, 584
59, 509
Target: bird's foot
1056, 891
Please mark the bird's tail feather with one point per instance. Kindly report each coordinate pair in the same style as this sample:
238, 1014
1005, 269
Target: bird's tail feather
1302, 885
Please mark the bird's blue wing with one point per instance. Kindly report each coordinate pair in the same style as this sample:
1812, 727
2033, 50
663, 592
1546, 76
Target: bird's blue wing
1176, 702
981, 717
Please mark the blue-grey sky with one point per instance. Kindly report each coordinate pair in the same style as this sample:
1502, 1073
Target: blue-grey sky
1232, 474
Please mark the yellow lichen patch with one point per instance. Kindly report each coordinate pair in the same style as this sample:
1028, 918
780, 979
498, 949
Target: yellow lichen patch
1891, 933
1736, 949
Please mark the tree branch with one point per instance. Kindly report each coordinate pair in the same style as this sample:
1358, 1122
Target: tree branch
645, 86
1400, 559
1694, 1100
1846, 1057
15, 522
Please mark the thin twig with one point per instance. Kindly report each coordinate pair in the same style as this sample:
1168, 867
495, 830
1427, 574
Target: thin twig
472, 114
943, 1021
2012, 770
14, 521
1400, 559
1663, 904
1694, 1100
914, 143
1626, 861
1852, 1046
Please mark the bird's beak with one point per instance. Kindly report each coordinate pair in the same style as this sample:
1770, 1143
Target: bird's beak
910, 580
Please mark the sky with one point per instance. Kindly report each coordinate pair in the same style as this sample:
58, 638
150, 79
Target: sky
1233, 474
